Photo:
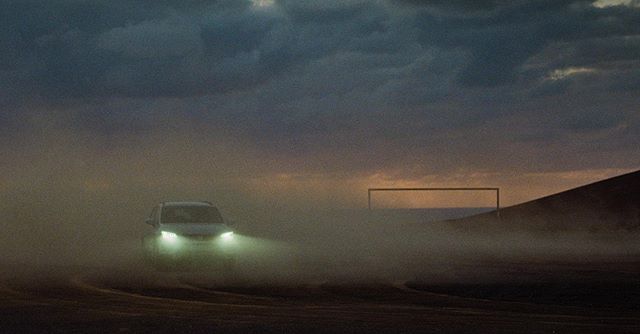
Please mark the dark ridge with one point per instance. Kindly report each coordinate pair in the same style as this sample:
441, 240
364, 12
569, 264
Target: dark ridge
609, 205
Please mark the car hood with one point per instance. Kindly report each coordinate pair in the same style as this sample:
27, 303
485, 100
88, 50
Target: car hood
195, 229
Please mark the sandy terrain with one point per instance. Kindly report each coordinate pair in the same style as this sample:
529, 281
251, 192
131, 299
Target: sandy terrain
536, 298
568, 263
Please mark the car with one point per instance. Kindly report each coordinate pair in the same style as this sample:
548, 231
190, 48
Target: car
188, 235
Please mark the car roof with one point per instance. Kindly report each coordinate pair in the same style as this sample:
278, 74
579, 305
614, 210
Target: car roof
186, 203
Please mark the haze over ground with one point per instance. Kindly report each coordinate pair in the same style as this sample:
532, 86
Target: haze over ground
552, 273
595, 223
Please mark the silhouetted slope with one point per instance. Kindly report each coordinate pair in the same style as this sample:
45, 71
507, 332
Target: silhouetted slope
611, 204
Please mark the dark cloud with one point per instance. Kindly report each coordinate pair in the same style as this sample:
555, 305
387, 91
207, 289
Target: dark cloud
500, 42
332, 85
459, 5
100, 48
88, 49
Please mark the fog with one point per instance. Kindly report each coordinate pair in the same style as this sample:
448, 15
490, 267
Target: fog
71, 201
51, 233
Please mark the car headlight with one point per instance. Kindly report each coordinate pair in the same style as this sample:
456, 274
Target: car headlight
169, 236
227, 235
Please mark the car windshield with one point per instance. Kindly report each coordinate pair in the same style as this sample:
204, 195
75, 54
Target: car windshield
191, 214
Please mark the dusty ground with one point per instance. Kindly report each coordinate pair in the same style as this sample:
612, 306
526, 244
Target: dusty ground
531, 298
567, 263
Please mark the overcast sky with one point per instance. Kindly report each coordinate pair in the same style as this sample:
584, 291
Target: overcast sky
284, 95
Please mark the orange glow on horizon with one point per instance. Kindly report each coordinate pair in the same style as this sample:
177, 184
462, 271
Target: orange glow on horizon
299, 190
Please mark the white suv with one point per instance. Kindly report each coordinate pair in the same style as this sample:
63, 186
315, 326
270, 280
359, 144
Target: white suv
186, 234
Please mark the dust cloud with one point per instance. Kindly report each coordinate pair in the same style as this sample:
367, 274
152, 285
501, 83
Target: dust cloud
57, 233
71, 201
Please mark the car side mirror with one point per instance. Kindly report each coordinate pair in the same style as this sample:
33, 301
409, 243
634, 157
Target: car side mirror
150, 221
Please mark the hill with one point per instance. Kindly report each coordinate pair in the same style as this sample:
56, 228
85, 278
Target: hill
611, 204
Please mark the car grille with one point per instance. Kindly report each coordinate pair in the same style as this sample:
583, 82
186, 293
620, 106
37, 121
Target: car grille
199, 237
